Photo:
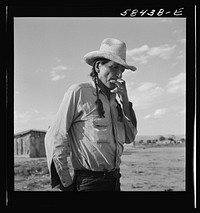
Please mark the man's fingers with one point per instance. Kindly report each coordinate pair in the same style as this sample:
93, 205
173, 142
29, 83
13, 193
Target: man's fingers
119, 83
116, 90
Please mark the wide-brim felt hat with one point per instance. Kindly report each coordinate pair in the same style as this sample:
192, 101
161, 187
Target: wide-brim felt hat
112, 49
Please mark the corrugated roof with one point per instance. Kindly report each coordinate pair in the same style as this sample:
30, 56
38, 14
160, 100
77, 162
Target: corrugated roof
27, 131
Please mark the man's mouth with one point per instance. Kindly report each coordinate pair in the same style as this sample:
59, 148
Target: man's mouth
115, 80
112, 80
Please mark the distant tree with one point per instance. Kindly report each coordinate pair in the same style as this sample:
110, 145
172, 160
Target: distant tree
171, 139
141, 141
161, 138
148, 141
182, 140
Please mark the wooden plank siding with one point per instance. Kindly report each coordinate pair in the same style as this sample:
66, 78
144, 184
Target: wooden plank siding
29, 143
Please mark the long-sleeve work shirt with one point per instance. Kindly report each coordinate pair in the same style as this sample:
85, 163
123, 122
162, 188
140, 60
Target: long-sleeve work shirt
95, 143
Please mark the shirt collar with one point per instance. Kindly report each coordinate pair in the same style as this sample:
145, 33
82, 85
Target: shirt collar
91, 82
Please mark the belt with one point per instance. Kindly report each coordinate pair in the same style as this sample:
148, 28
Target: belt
113, 173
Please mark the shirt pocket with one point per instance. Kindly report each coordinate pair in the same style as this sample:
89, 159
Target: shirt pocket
101, 130
100, 123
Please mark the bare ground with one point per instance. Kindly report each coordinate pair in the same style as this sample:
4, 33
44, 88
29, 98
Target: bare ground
142, 169
153, 169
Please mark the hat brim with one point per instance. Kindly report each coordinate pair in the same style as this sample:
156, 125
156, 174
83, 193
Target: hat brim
92, 56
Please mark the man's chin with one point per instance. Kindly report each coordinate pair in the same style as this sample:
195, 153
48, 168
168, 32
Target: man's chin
112, 86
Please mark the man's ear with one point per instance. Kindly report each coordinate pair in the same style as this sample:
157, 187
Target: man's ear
96, 66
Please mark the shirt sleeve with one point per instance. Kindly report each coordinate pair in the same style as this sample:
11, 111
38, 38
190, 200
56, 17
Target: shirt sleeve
57, 140
130, 125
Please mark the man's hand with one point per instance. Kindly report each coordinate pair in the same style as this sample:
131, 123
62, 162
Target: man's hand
121, 90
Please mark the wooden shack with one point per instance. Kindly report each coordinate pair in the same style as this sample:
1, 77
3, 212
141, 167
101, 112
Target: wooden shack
30, 143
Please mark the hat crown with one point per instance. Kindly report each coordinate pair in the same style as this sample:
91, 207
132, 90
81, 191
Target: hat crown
112, 49
114, 46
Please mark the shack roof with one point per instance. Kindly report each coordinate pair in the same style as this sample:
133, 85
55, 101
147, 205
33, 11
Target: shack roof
28, 131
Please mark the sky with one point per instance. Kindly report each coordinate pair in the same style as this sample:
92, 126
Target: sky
48, 59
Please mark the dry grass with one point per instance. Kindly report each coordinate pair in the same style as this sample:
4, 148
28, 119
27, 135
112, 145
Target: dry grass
31, 174
153, 169
142, 169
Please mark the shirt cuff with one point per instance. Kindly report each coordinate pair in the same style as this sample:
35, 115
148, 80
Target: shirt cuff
63, 173
132, 118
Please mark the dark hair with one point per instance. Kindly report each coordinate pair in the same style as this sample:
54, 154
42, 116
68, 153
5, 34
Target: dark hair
98, 102
103, 61
95, 78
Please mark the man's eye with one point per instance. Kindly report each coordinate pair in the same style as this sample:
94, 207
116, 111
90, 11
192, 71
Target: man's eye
114, 67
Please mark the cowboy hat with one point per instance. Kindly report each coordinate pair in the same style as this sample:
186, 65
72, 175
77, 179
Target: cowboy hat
112, 49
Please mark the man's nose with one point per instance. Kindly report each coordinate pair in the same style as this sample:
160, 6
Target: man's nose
119, 75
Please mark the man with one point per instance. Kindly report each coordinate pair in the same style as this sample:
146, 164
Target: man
93, 125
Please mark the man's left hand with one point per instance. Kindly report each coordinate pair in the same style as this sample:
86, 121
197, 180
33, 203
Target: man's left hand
120, 89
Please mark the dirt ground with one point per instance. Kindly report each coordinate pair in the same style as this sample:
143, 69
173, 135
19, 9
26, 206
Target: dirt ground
142, 169
153, 169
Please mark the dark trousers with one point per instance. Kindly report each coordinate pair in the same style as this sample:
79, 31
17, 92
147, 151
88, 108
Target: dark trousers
85, 180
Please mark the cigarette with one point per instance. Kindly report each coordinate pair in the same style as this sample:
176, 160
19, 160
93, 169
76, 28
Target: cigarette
120, 80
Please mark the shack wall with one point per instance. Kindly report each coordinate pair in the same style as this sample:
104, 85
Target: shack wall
30, 144
37, 148
22, 145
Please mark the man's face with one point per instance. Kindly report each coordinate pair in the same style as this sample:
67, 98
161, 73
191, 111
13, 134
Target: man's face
110, 71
